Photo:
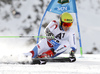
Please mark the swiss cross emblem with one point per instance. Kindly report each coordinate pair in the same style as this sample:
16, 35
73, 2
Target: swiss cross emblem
63, 1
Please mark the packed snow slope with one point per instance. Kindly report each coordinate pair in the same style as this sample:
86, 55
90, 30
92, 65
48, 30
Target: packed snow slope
89, 64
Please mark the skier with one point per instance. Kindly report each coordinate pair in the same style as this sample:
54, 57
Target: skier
59, 37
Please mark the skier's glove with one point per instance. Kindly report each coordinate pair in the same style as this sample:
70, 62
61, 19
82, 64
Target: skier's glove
72, 53
49, 34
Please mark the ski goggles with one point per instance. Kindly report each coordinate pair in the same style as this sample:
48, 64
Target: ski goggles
67, 24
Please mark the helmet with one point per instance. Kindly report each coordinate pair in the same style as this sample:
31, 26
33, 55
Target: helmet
66, 20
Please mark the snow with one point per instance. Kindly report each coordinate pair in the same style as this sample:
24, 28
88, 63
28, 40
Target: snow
89, 64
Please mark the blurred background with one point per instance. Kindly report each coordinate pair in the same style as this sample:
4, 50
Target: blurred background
23, 17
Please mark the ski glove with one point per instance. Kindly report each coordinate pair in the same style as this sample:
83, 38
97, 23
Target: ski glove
49, 34
72, 53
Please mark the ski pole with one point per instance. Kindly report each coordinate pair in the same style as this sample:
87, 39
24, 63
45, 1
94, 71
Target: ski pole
25, 36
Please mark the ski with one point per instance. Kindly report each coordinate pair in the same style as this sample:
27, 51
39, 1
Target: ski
42, 61
58, 59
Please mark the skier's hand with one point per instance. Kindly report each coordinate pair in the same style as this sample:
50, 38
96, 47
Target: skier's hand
49, 34
72, 53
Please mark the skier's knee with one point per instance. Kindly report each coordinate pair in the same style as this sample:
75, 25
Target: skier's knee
34, 52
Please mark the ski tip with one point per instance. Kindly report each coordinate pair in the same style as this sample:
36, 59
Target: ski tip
72, 59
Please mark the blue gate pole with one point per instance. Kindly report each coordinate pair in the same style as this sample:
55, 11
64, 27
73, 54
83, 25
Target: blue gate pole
41, 26
81, 52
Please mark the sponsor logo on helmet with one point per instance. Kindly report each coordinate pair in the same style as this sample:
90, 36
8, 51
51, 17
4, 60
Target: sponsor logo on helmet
67, 19
63, 1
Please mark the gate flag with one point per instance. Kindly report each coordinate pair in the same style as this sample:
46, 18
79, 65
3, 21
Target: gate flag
60, 6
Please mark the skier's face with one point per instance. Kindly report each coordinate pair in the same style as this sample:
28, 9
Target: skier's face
65, 28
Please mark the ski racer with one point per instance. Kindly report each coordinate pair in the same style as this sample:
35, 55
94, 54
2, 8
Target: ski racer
59, 37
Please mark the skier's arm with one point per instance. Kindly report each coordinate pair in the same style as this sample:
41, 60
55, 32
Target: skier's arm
72, 41
49, 30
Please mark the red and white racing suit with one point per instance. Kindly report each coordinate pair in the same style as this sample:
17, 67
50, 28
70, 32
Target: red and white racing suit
63, 40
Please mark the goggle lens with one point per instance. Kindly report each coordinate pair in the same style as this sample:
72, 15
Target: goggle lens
67, 24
